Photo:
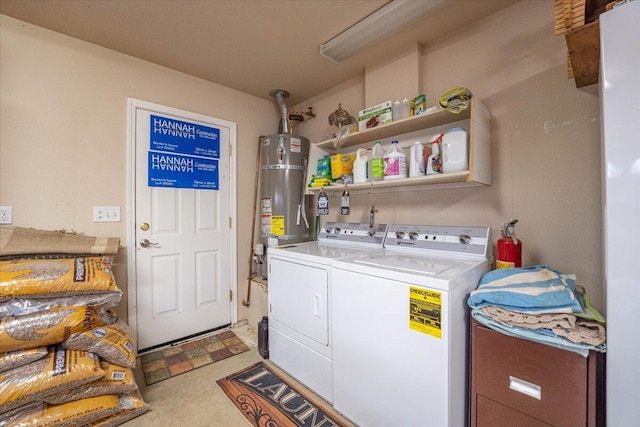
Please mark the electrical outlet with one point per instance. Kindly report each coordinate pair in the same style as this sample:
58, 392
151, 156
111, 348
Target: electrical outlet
6, 215
106, 214
258, 249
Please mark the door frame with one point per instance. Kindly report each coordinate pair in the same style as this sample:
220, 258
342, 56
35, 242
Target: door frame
134, 104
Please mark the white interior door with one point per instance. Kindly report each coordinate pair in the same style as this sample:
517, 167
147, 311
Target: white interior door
183, 246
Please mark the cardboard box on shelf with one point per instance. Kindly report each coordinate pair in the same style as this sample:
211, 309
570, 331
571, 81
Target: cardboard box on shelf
375, 116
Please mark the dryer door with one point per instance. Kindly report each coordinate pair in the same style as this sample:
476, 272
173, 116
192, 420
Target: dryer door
298, 298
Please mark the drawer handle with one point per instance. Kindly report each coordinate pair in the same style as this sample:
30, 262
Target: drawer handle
525, 387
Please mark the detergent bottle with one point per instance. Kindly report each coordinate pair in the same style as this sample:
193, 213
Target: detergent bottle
455, 150
376, 163
395, 162
360, 170
416, 168
434, 162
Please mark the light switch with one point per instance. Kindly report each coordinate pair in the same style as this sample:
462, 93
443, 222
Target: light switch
106, 214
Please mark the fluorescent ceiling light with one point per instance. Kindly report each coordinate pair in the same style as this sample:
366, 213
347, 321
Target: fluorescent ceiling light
376, 26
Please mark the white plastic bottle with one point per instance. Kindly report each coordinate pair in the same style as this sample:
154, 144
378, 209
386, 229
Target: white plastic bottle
360, 169
406, 108
416, 167
376, 163
395, 162
455, 150
396, 111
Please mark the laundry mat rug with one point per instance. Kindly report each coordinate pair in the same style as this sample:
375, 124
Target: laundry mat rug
170, 362
268, 400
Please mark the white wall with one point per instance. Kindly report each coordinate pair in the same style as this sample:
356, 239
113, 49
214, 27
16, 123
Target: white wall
544, 136
63, 133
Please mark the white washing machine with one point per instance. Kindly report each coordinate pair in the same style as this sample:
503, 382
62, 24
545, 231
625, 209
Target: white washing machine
299, 293
400, 326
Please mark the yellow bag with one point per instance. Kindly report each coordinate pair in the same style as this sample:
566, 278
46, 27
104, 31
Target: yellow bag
341, 164
13, 359
113, 343
134, 406
116, 380
55, 277
71, 414
48, 327
61, 370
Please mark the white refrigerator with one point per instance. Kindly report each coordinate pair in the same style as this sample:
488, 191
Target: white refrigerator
620, 115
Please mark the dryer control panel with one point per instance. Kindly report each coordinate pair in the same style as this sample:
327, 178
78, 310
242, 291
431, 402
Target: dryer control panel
449, 239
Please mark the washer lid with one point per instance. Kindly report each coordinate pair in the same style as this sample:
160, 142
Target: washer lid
437, 270
405, 263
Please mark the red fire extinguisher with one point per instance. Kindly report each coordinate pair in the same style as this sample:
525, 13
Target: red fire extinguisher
509, 247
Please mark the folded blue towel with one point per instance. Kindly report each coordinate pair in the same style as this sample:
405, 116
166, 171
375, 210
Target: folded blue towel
533, 290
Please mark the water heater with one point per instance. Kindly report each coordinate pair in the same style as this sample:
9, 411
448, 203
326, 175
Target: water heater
283, 168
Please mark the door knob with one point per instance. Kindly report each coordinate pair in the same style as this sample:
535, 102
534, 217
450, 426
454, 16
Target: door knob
145, 243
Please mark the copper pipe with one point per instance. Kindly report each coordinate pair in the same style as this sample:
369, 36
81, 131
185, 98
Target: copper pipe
247, 302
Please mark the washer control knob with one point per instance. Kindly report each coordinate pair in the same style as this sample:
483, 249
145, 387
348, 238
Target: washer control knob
328, 229
465, 239
337, 230
399, 234
413, 235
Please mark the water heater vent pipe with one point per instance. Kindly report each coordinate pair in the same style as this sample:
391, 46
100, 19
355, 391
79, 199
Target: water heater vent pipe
280, 95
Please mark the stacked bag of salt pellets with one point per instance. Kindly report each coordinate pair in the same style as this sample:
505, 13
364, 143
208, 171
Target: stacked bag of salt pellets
65, 357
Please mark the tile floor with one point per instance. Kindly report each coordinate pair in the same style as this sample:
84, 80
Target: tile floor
193, 399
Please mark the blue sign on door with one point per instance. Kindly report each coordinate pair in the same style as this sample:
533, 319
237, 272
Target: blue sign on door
172, 170
183, 154
177, 136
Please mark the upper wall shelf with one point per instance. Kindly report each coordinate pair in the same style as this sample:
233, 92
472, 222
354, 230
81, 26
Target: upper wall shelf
476, 119
423, 121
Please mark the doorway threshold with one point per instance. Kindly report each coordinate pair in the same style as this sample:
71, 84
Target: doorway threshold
186, 339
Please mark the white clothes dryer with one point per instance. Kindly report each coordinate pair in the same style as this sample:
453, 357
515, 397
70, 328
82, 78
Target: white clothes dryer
299, 296
400, 326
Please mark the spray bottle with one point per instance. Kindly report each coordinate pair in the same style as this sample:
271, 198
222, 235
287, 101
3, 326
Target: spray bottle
416, 167
434, 162
509, 247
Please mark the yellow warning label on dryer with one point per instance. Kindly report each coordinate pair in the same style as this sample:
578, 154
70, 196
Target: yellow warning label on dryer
425, 311
277, 225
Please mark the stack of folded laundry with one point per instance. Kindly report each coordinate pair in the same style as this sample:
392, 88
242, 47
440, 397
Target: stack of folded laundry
540, 304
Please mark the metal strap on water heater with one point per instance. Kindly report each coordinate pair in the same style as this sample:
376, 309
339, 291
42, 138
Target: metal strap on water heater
289, 167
